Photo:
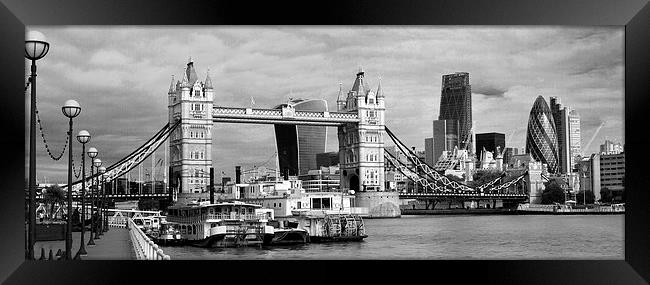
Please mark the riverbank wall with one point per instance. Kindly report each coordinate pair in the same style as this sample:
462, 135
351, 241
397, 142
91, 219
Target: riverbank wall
503, 212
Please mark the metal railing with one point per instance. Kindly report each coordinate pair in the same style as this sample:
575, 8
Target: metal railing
565, 209
117, 222
217, 216
144, 248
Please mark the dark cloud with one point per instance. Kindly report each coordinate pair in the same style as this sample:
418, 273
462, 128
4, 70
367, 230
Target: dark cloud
489, 91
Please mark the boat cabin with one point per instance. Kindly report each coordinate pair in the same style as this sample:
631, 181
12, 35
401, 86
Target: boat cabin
200, 221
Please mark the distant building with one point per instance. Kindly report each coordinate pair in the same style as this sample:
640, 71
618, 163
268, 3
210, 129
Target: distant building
575, 140
610, 147
612, 171
541, 137
600, 171
490, 142
445, 137
519, 161
298, 145
324, 179
327, 159
428, 151
456, 104
561, 119
394, 178
508, 153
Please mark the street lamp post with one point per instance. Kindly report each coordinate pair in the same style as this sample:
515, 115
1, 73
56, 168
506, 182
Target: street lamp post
92, 153
70, 109
100, 230
83, 137
105, 203
35, 48
97, 163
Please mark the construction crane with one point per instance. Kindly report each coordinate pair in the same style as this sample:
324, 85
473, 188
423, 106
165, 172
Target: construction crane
594, 135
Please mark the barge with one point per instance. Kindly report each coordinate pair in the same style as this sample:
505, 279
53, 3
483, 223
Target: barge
330, 226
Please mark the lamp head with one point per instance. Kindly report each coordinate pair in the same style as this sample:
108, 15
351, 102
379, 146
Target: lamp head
102, 170
97, 162
92, 152
83, 137
71, 109
36, 47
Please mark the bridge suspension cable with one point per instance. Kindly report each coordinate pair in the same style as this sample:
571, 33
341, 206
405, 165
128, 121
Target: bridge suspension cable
410, 173
136, 157
426, 169
447, 185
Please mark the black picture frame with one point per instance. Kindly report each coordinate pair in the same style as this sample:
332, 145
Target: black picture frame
633, 14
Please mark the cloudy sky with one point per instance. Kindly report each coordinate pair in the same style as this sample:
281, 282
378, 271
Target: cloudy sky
120, 75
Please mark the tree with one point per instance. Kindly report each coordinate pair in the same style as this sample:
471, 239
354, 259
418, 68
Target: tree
588, 198
553, 193
54, 195
485, 176
606, 195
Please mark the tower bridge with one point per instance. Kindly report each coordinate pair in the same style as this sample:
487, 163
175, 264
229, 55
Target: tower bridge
361, 130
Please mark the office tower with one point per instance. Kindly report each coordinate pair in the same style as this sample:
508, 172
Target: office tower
456, 104
602, 171
489, 142
428, 152
541, 138
509, 153
561, 118
298, 145
445, 137
610, 147
575, 140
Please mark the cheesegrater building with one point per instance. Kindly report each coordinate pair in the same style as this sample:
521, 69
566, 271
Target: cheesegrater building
541, 136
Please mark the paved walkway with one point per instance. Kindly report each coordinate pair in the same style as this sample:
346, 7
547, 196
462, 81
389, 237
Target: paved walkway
115, 244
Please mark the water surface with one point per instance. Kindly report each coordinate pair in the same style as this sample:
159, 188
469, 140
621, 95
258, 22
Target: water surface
454, 237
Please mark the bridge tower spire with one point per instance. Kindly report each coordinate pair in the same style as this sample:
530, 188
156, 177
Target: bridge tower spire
361, 146
190, 145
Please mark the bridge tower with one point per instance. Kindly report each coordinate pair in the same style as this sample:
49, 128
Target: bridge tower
361, 146
190, 145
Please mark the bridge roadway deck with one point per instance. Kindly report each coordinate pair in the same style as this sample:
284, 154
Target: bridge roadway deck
115, 244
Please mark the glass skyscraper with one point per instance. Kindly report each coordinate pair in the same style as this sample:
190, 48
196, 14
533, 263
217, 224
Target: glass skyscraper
562, 129
298, 145
541, 136
456, 104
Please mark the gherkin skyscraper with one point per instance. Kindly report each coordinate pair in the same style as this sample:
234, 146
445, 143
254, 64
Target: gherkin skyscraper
541, 137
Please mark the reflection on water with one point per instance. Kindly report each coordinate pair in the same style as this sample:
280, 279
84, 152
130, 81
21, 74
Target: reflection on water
453, 237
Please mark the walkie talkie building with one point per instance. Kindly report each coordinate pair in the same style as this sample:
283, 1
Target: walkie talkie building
541, 137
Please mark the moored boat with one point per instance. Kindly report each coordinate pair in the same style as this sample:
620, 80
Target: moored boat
230, 224
327, 226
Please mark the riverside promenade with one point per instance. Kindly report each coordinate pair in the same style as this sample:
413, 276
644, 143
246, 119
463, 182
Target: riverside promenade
115, 244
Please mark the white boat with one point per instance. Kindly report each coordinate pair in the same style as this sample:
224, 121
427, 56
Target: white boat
226, 224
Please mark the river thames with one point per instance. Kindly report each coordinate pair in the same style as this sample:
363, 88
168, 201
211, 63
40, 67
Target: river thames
454, 237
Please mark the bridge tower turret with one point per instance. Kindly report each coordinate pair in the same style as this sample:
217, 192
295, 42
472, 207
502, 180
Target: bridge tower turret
190, 145
361, 146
